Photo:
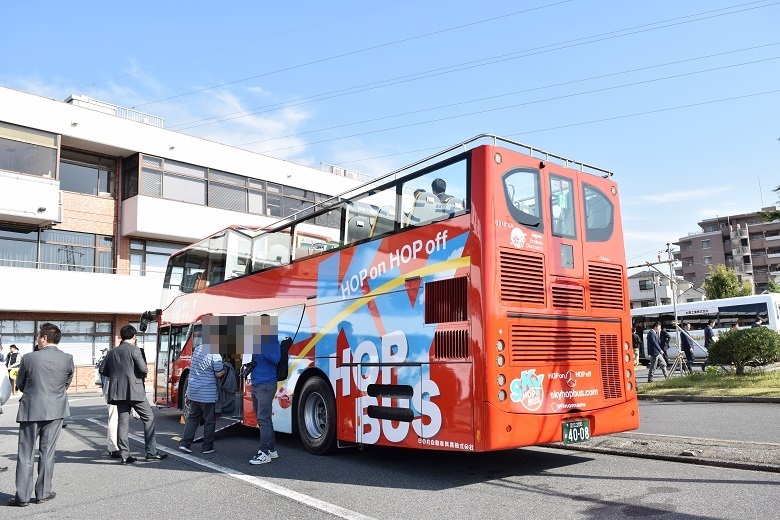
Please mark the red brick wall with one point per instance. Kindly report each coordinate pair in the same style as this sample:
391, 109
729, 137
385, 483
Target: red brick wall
88, 214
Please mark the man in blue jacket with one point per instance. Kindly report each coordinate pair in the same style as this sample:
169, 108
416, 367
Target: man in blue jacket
655, 351
263, 378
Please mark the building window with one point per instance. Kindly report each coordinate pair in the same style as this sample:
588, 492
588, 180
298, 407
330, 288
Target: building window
156, 177
757, 236
687, 247
27, 151
86, 173
689, 263
645, 285
705, 244
710, 229
82, 339
707, 260
150, 258
55, 249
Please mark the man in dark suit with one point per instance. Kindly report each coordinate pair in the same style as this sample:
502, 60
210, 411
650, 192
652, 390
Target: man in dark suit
44, 376
126, 369
655, 351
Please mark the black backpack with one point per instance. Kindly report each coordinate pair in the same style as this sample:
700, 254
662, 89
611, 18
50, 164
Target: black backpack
282, 368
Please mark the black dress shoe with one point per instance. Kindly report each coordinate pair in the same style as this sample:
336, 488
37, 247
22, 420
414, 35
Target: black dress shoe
17, 503
157, 456
42, 500
128, 460
115, 454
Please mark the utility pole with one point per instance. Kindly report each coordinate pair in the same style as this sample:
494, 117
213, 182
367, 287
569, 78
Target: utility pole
673, 287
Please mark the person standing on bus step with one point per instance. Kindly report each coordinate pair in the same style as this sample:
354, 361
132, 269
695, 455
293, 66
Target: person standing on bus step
205, 370
44, 376
125, 368
655, 352
687, 346
709, 339
263, 377
439, 188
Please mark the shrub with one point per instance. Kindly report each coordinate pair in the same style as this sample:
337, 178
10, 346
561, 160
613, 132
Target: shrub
757, 345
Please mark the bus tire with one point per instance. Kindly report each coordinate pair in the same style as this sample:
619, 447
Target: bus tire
316, 416
185, 405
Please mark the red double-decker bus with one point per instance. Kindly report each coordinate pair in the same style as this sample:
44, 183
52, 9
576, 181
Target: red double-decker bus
473, 301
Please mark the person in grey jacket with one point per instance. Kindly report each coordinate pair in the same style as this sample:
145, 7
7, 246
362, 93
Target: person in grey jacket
126, 369
44, 376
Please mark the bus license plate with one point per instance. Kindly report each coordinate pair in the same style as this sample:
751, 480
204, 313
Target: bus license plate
576, 431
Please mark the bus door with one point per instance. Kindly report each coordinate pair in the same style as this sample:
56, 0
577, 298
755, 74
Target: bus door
162, 367
385, 403
565, 242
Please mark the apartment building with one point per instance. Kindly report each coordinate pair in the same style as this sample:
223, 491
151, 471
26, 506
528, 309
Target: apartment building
95, 197
743, 242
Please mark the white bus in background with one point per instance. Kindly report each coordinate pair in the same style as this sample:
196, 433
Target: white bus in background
742, 310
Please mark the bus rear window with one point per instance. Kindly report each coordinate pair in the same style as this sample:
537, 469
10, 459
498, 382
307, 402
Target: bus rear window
521, 191
599, 214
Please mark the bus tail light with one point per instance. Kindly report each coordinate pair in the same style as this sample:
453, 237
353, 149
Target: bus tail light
627, 359
500, 345
628, 374
625, 346
501, 380
500, 360
502, 395
629, 385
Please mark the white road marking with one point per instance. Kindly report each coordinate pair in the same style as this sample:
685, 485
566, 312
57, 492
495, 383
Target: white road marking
306, 500
6, 405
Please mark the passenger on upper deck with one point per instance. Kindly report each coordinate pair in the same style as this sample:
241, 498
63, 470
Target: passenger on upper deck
439, 188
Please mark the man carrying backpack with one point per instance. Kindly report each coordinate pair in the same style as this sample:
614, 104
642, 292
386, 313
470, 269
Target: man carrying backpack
263, 380
205, 369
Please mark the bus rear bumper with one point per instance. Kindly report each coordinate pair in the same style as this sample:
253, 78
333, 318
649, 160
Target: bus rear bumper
504, 430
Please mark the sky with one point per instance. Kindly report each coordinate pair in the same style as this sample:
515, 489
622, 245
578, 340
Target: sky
678, 98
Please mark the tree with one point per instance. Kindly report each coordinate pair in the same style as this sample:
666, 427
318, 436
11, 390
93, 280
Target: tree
755, 346
722, 282
769, 216
772, 287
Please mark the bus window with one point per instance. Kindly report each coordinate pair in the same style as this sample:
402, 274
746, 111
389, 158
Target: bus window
435, 195
175, 272
239, 252
195, 264
311, 238
562, 207
521, 191
270, 250
217, 257
599, 214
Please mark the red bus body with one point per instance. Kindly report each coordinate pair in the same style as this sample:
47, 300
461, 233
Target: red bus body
473, 332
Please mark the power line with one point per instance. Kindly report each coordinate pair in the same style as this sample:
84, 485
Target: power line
358, 51
213, 51
582, 123
470, 65
515, 93
505, 107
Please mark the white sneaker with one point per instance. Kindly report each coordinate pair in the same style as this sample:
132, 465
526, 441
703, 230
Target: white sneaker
206, 452
260, 458
274, 454
185, 449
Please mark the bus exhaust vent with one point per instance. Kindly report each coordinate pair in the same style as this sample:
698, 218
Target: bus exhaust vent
451, 344
611, 382
606, 286
551, 345
522, 277
568, 297
445, 300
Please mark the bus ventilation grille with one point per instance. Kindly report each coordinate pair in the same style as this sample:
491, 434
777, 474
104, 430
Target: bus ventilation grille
611, 382
451, 344
568, 297
606, 287
445, 300
552, 345
522, 277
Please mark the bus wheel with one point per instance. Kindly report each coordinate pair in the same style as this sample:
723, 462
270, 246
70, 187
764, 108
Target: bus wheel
184, 404
316, 417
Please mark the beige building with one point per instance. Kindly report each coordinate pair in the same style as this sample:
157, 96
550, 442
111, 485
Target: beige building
743, 242
94, 198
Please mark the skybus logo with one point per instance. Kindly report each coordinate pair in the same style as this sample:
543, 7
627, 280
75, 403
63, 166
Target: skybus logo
528, 390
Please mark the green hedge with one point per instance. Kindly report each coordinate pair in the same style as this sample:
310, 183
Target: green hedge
755, 346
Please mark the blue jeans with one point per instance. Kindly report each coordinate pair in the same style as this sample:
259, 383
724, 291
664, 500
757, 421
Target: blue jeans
262, 401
